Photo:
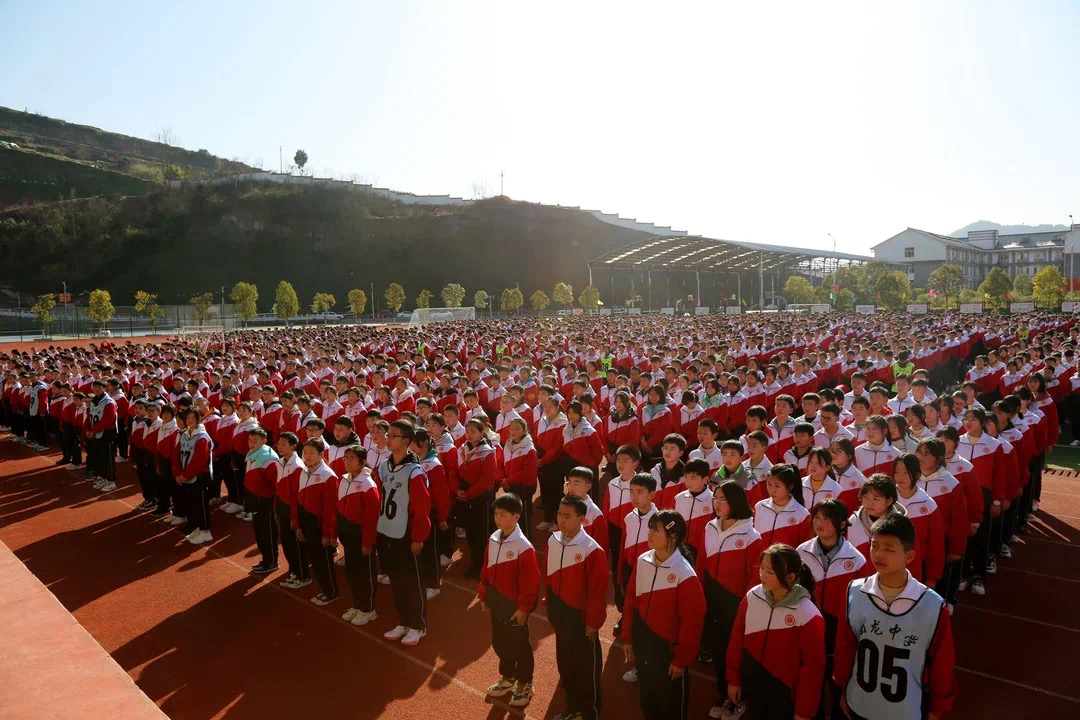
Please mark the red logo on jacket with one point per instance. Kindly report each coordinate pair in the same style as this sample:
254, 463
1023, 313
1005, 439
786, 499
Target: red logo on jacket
791, 521
738, 543
671, 577
509, 554
923, 510
789, 620
577, 558
849, 565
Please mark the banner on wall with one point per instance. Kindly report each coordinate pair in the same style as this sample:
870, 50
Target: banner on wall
667, 311
1022, 307
865, 309
605, 311
970, 308
732, 310
917, 309
633, 311
701, 310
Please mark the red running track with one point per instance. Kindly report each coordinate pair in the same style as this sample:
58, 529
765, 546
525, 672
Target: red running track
204, 638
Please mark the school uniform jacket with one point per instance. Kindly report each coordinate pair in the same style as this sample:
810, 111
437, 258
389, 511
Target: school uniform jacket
655, 427
697, 511
948, 493
594, 524
668, 599
510, 578
316, 494
929, 524
786, 643
728, 564
189, 466
635, 540
287, 479
502, 424
438, 487
520, 465
688, 423
832, 575
166, 442
665, 494
576, 580
549, 439
959, 467
789, 524
582, 444
358, 501
829, 489
478, 469
802, 462
617, 503
858, 531
448, 456
850, 482
239, 440
260, 475
870, 459
988, 463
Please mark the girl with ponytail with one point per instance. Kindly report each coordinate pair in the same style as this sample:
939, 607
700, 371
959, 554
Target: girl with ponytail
776, 656
666, 608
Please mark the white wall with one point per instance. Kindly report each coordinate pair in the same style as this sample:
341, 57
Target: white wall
926, 247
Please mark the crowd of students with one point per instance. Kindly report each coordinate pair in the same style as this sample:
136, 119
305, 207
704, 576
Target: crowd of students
798, 508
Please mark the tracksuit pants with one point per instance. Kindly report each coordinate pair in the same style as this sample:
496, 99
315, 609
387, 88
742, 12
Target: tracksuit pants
234, 482
146, 473
614, 558
551, 484
294, 551
430, 570
322, 557
403, 568
978, 546
476, 516
662, 697
222, 474
196, 502
72, 448
264, 524
578, 658
359, 568
509, 640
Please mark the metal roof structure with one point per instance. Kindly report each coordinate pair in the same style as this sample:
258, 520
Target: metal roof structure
695, 253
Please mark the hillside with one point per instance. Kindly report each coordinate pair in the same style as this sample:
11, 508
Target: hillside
322, 239
57, 159
1006, 229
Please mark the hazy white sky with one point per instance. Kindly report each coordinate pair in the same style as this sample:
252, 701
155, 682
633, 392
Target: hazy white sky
749, 121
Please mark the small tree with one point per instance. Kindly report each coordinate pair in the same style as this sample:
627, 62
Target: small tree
322, 303
395, 296
539, 300
562, 294
423, 300
480, 299
357, 302
200, 307
511, 300
146, 304
1048, 287
893, 290
99, 307
995, 288
945, 281
798, 289
589, 298
1021, 288
300, 159
245, 297
286, 303
43, 309
845, 299
173, 172
452, 295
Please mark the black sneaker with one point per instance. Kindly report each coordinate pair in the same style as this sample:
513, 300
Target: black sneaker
160, 513
261, 569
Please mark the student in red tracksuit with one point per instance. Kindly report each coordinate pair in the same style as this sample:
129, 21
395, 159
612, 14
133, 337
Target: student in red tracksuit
623, 426
314, 513
695, 503
666, 605
948, 493
728, 568
656, 424
260, 480
358, 504
576, 594
439, 489
834, 563
287, 484
551, 462
479, 473
776, 656
988, 462
508, 590
165, 447
521, 469
193, 471
928, 519
782, 517
581, 442
907, 674
876, 455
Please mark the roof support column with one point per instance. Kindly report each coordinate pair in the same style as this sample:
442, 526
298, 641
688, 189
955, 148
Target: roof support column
697, 276
761, 277
590, 273
738, 281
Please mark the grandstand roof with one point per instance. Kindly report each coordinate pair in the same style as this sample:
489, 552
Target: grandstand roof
693, 252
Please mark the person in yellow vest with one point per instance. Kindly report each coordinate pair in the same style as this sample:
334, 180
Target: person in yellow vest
902, 366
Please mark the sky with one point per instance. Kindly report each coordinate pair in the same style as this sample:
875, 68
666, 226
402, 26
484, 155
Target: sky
770, 122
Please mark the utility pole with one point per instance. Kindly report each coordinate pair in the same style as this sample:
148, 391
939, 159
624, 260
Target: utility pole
280, 162
65, 298
503, 193
372, 301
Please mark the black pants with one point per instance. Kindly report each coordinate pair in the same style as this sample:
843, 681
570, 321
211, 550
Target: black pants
263, 523
322, 557
222, 474
1036, 478
234, 482
39, 430
525, 492
950, 581
122, 438
551, 485
662, 697
72, 449
196, 502
146, 473
614, 558
103, 451
403, 568
430, 570
476, 516
294, 550
359, 568
579, 661
166, 485
978, 544
512, 646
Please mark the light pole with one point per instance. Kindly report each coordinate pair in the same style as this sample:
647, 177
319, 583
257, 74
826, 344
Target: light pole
372, 301
64, 297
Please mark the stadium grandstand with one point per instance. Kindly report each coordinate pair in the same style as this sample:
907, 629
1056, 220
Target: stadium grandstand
709, 268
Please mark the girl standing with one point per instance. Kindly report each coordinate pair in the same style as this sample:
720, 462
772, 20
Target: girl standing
314, 513
781, 517
357, 526
924, 514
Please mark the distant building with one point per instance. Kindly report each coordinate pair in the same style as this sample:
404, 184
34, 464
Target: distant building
1017, 254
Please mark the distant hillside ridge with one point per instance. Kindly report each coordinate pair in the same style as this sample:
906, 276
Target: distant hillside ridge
1006, 229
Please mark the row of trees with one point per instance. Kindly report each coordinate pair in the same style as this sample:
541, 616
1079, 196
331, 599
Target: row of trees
946, 288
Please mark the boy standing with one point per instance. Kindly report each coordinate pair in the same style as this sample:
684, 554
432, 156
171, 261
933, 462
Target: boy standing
576, 588
509, 586
894, 617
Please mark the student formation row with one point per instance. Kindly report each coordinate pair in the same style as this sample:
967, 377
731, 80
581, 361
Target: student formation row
393, 488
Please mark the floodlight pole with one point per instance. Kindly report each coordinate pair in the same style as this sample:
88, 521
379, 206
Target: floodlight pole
697, 276
761, 278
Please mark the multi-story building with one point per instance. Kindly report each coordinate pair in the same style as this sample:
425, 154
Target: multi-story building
1017, 254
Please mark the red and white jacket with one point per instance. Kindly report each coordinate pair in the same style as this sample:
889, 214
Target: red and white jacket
789, 524
850, 482
576, 579
697, 511
316, 494
669, 600
728, 563
287, 479
358, 502
478, 470
656, 427
635, 540
948, 493
929, 524
858, 531
438, 486
594, 524
260, 474
617, 503
510, 577
988, 463
582, 444
502, 425
786, 640
832, 574
549, 439
962, 470
870, 459
829, 489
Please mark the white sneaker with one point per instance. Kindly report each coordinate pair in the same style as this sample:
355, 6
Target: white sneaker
952, 608
340, 561
501, 687
630, 675
1075, 443
121, 459
431, 592
246, 516
201, 538
1014, 539
460, 532
1035, 505
99, 483
413, 637
349, 614
977, 587
396, 634
71, 466
445, 561
301, 583
991, 566
963, 585
176, 520
363, 618
231, 507
383, 579
192, 534
108, 487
